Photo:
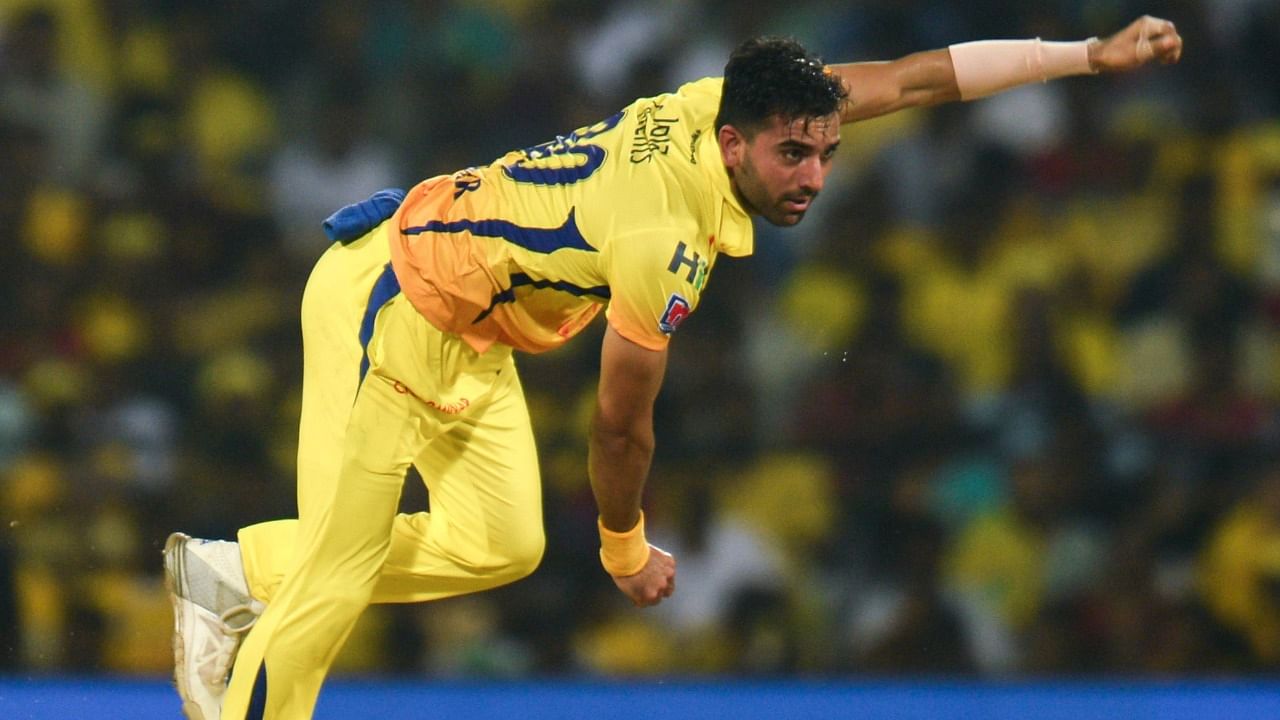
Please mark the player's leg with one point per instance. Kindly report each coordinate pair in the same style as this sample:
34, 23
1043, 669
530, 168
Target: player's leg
484, 530
342, 539
485, 527
344, 294
339, 554
206, 579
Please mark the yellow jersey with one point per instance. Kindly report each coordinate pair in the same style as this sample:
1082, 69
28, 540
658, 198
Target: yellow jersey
630, 212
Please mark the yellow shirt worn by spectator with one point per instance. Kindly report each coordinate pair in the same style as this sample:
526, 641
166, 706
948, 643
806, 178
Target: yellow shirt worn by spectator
1240, 578
999, 559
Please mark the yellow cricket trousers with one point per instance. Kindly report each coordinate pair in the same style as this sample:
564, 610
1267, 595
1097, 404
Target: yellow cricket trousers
382, 388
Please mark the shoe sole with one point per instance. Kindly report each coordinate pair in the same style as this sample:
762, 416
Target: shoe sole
174, 569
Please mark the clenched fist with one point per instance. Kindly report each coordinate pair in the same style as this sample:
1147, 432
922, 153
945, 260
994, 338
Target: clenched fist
1146, 39
655, 581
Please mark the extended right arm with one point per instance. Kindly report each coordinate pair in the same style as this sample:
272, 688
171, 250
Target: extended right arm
976, 69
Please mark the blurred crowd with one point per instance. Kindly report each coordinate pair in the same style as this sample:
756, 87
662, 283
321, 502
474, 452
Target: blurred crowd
1005, 404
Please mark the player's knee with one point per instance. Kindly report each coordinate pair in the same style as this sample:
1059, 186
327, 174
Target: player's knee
502, 557
522, 553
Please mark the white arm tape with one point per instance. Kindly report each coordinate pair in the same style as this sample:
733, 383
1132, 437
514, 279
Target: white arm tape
987, 67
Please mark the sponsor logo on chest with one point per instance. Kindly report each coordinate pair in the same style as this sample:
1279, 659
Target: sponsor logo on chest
691, 263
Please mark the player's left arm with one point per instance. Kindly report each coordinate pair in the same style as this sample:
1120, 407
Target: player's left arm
972, 70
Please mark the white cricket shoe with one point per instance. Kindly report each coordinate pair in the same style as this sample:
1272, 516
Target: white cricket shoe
212, 612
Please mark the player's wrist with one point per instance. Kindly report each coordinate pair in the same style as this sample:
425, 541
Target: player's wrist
1064, 59
1093, 47
623, 553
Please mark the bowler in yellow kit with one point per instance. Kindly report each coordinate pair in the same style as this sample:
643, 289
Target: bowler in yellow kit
411, 318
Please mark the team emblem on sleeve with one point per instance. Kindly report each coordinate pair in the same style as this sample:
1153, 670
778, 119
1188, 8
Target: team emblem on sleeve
677, 310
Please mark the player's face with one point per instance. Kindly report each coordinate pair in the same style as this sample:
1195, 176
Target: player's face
779, 171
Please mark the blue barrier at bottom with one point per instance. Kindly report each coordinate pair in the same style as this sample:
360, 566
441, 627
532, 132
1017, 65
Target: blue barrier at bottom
353, 699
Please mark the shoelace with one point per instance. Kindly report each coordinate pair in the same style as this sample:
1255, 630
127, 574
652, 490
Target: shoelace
214, 659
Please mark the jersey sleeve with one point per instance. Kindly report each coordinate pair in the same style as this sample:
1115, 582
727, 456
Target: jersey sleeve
655, 280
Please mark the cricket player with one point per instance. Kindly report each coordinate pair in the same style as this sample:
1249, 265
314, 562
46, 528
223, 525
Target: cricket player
411, 317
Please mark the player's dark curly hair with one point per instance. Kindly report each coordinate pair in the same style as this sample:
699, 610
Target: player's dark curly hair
769, 76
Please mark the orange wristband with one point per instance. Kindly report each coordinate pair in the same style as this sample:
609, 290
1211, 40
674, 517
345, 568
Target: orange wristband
625, 553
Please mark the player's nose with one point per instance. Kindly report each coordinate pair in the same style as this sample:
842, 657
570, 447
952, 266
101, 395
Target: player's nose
812, 176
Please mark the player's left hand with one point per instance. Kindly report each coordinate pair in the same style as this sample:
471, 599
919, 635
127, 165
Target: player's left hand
1146, 39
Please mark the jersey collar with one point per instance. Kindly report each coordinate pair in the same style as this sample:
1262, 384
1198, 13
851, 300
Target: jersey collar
735, 236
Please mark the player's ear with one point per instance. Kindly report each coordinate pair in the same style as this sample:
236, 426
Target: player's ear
733, 145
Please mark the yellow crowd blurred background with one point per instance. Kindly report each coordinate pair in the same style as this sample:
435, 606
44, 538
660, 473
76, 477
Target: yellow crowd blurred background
1005, 404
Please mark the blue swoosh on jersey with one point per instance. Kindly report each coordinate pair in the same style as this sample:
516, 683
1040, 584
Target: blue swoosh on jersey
384, 288
540, 240
521, 280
